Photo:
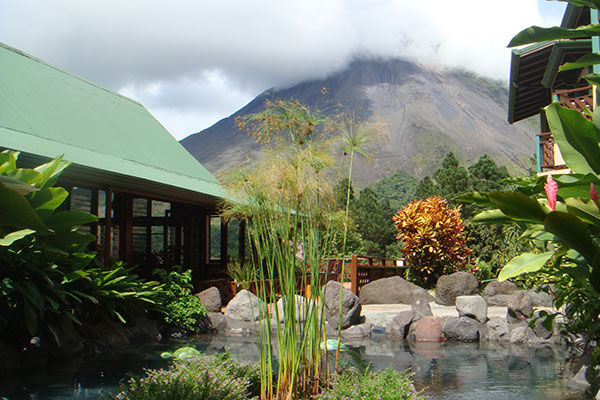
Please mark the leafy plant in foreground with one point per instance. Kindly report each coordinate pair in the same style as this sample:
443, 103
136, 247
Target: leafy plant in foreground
181, 308
432, 234
46, 272
372, 385
204, 378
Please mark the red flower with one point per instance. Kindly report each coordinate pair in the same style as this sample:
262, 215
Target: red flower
551, 189
593, 192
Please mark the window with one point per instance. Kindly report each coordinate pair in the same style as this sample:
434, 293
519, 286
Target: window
214, 250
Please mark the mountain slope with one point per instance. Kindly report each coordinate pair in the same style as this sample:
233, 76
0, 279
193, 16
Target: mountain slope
427, 113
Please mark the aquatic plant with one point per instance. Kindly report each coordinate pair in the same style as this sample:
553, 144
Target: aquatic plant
287, 201
372, 385
216, 377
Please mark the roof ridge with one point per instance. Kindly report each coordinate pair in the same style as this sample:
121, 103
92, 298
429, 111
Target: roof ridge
47, 64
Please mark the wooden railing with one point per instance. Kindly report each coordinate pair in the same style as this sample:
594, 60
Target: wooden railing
360, 270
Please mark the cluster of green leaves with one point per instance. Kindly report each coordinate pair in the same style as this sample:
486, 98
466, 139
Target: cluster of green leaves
372, 385
432, 234
46, 272
566, 224
217, 377
181, 308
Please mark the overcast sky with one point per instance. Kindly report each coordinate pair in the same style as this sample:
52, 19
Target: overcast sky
194, 62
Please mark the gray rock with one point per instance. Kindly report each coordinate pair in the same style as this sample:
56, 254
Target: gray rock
519, 307
495, 330
539, 298
211, 298
497, 293
539, 329
523, 334
236, 327
472, 307
218, 321
463, 329
245, 306
448, 287
300, 311
421, 308
427, 329
579, 377
351, 307
378, 332
393, 290
400, 325
357, 331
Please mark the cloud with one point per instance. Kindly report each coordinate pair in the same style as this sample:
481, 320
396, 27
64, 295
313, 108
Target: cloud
192, 60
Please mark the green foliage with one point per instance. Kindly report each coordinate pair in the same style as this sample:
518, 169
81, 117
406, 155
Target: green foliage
46, 272
289, 204
373, 221
372, 385
216, 377
181, 308
432, 234
397, 188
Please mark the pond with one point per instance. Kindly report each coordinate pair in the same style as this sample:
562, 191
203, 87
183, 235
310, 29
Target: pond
446, 371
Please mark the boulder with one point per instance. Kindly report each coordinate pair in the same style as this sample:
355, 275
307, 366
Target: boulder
519, 307
300, 310
218, 321
427, 329
236, 327
351, 307
523, 334
539, 329
400, 325
211, 298
495, 330
245, 306
357, 331
449, 287
539, 298
462, 329
421, 309
472, 307
393, 290
497, 293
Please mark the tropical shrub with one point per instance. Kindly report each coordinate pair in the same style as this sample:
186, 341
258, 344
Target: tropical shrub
432, 235
204, 378
181, 308
46, 272
372, 385
562, 216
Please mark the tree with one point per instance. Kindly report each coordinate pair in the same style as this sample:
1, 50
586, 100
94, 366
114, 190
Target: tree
374, 221
452, 178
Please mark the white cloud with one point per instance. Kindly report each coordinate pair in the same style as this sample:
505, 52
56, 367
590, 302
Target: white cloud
194, 62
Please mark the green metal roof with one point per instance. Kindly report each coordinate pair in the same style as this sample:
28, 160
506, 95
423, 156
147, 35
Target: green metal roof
46, 111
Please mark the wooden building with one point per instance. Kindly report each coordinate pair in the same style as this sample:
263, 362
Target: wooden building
157, 205
535, 81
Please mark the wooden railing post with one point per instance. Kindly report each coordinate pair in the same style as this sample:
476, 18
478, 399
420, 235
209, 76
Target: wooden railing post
354, 274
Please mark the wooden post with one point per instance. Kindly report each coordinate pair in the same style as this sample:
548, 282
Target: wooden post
354, 274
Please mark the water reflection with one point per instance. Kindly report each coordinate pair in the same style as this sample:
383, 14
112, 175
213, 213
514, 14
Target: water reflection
446, 371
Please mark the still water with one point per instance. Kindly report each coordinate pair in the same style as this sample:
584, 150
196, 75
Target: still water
446, 371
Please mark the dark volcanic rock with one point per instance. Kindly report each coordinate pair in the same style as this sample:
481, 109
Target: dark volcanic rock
394, 290
449, 287
351, 307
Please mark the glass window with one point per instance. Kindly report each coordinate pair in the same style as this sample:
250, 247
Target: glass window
233, 239
101, 204
160, 208
215, 238
81, 199
140, 207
